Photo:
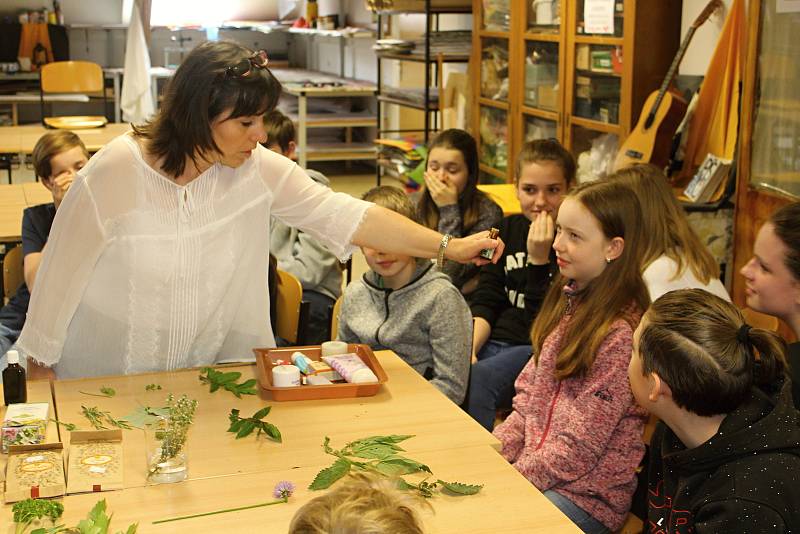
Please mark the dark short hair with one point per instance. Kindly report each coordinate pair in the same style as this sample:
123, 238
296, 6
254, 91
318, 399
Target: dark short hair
693, 340
787, 227
201, 90
52, 144
546, 150
280, 129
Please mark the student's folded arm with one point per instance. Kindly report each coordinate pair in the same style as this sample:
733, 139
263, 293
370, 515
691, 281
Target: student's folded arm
583, 434
76, 241
739, 515
451, 344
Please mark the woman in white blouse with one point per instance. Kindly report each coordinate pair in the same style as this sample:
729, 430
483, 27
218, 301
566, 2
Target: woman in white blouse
157, 259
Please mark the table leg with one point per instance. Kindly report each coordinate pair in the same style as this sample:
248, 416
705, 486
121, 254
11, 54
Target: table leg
117, 115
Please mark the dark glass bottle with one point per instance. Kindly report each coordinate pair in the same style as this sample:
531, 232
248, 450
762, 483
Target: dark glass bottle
15, 387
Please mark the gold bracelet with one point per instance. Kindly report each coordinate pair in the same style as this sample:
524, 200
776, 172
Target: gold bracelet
442, 247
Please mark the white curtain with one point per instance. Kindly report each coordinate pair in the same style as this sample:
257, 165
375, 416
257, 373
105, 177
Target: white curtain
136, 101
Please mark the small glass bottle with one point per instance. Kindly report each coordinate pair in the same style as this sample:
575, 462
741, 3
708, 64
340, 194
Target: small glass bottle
15, 388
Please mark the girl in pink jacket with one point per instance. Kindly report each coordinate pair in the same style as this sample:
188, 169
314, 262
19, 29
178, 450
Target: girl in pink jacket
576, 430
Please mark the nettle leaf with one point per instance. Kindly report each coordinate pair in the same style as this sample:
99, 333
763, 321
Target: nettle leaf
457, 488
216, 379
401, 484
329, 475
398, 465
378, 451
245, 429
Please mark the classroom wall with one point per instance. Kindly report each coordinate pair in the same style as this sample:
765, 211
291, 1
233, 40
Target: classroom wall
699, 53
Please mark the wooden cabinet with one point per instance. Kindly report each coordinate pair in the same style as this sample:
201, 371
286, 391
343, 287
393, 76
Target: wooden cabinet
546, 70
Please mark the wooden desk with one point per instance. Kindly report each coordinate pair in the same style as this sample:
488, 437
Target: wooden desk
505, 195
13, 201
225, 472
22, 139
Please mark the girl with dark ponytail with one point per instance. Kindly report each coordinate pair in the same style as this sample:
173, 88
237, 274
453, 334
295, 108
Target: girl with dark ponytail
725, 455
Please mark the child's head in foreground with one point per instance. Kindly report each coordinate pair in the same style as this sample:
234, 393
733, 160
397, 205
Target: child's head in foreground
362, 504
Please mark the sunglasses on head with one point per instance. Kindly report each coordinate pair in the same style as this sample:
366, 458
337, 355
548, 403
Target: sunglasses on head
244, 67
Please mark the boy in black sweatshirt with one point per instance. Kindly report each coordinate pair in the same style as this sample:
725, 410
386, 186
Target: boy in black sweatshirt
510, 292
726, 455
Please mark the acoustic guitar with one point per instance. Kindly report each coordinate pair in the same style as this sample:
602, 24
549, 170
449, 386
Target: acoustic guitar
651, 140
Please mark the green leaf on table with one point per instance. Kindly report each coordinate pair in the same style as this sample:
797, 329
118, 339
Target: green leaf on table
379, 440
329, 475
457, 488
398, 465
217, 379
105, 391
145, 415
401, 484
377, 451
152, 387
244, 426
69, 427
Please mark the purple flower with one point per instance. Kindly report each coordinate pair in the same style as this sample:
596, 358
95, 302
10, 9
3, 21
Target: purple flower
283, 490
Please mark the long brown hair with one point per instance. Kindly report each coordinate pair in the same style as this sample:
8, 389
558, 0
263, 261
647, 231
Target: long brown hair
787, 227
539, 150
665, 225
619, 291
694, 341
198, 93
469, 201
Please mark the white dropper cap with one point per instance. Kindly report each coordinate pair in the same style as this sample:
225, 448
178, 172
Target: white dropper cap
13, 356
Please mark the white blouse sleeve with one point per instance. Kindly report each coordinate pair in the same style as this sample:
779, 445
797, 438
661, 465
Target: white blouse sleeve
75, 243
300, 202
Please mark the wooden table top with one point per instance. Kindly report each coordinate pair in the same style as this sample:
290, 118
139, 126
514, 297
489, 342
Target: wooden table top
225, 472
22, 139
505, 195
14, 199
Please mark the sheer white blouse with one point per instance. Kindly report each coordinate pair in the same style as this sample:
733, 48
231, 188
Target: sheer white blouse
140, 274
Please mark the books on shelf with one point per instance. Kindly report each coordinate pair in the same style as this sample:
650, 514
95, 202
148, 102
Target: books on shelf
709, 179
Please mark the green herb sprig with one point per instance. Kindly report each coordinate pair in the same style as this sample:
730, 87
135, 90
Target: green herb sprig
152, 387
379, 454
176, 429
27, 511
105, 391
244, 426
217, 379
69, 427
97, 522
96, 417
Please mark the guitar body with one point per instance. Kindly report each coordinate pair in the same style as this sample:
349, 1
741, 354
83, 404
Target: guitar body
651, 143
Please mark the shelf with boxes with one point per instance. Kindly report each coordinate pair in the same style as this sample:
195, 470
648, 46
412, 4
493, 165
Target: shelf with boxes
549, 72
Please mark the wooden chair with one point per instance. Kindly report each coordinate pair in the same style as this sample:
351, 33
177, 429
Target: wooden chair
292, 311
13, 274
72, 77
335, 310
761, 320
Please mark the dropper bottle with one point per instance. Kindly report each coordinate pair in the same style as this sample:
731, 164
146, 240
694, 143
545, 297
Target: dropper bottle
15, 387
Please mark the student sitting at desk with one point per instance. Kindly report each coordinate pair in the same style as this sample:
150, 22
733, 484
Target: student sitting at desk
406, 305
57, 156
296, 251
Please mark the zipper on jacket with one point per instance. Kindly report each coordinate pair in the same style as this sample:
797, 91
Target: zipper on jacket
549, 418
386, 317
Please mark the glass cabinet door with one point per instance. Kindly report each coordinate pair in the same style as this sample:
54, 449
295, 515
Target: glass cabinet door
600, 17
494, 139
494, 69
496, 15
598, 82
541, 75
544, 16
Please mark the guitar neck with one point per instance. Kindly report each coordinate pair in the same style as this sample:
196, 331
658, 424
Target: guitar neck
673, 69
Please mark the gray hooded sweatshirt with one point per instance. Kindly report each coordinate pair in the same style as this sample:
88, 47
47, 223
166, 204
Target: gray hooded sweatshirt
303, 256
426, 322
